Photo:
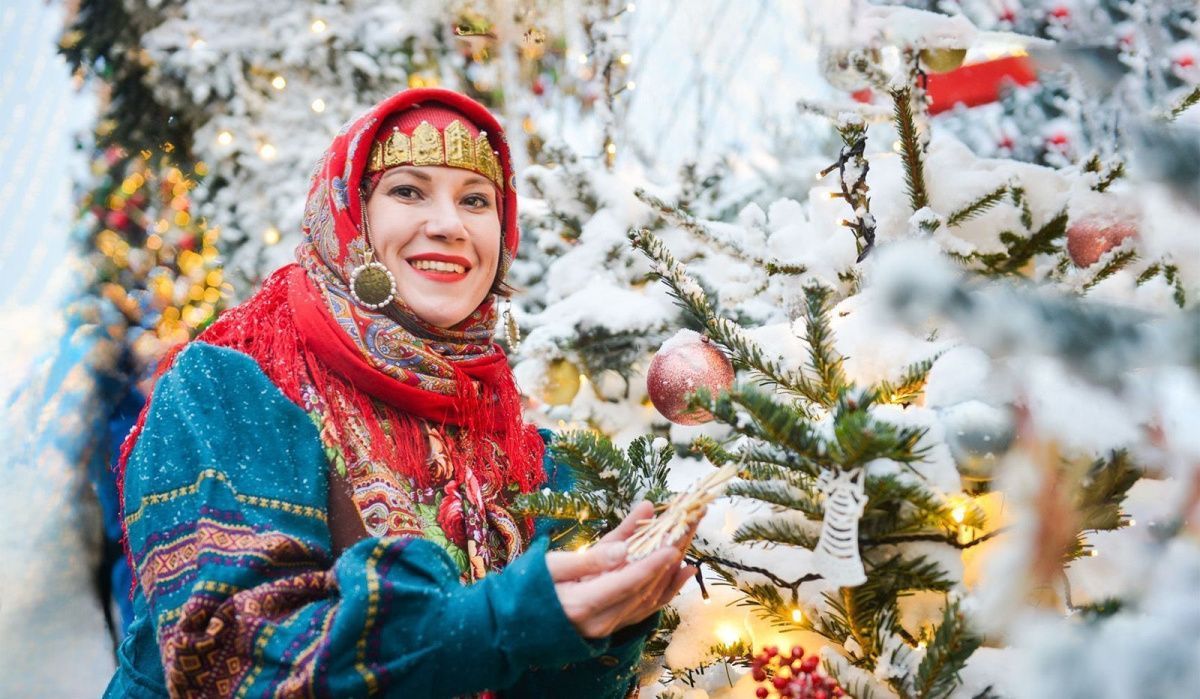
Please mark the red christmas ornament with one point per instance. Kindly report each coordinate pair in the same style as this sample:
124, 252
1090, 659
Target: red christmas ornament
684, 364
977, 83
539, 86
1089, 238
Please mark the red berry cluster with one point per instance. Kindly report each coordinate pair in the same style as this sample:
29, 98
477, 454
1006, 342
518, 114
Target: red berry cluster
793, 676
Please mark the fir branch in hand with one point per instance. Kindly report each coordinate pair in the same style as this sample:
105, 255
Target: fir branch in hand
945, 656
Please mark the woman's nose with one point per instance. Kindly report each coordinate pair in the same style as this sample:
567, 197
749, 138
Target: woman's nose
444, 221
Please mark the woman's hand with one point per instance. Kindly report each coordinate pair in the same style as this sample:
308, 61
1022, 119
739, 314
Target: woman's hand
601, 592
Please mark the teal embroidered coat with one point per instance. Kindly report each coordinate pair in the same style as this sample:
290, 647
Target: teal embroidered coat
238, 593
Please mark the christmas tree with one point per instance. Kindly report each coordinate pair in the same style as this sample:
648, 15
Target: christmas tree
961, 383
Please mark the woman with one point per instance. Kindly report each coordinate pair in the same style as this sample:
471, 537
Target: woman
317, 494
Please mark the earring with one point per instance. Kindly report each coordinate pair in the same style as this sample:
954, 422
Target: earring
512, 333
371, 284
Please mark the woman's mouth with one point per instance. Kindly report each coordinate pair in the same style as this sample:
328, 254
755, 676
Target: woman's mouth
440, 268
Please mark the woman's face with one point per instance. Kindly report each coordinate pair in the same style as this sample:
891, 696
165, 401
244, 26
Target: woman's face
438, 230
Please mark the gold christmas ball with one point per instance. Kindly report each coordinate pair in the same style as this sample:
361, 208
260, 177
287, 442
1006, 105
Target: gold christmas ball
943, 60
561, 383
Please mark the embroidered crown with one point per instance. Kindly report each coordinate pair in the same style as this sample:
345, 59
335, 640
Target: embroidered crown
452, 146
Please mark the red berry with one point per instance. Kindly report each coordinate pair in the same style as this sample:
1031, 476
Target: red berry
797, 652
820, 694
810, 663
759, 674
780, 681
771, 651
761, 692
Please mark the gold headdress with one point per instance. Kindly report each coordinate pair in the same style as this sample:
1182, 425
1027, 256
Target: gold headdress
452, 146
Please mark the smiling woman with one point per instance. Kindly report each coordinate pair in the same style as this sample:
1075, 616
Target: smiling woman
318, 495
437, 230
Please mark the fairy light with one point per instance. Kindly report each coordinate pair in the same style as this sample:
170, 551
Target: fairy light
631, 7
797, 615
197, 43
728, 634
318, 105
278, 82
318, 26
625, 59
610, 148
267, 151
271, 235
225, 138
959, 513
631, 85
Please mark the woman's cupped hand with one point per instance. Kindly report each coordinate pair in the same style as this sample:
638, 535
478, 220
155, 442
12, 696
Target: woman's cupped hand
601, 591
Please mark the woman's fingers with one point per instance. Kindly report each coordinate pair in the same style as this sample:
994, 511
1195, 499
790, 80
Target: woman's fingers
599, 605
573, 565
641, 511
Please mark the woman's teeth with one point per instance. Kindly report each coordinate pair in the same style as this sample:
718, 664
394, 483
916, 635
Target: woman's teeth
433, 266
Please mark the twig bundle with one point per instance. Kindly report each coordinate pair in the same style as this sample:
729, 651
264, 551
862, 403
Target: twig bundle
681, 513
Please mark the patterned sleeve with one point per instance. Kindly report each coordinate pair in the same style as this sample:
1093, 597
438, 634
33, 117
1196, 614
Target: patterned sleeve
226, 498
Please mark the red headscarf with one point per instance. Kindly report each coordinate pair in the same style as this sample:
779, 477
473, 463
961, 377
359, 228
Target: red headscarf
378, 385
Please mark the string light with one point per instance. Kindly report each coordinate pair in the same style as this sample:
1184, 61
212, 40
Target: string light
278, 82
631, 7
625, 59
271, 235
267, 151
197, 43
728, 634
630, 85
610, 148
318, 105
225, 138
797, 615
318, 26
959, 513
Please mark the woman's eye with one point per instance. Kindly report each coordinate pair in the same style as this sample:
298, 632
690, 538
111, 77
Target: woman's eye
476, 201
404, 192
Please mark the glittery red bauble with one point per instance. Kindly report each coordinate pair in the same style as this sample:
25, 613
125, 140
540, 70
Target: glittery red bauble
684, 364
1091, 237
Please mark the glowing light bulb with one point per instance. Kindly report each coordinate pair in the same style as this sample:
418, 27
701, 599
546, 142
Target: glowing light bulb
959, 513
630, 85
197, 43
267, 151
631, 7
625, 59
318, 26
278, 82
728, 634
611, 149
271, 235
225, 138
318, 105
797, 615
